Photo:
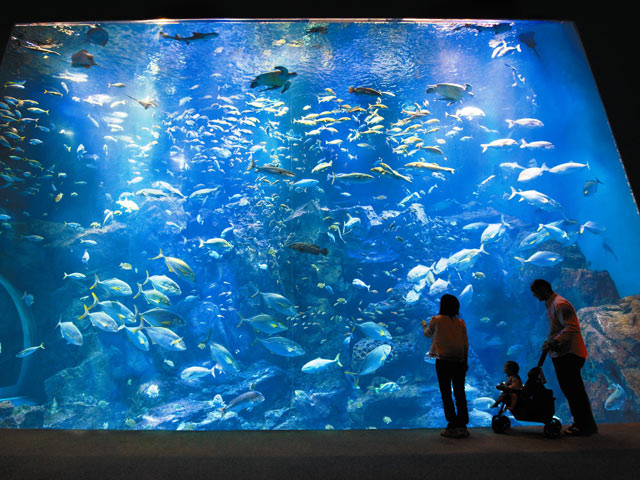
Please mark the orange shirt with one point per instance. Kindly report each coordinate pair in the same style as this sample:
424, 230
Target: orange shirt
566, 331
450, 340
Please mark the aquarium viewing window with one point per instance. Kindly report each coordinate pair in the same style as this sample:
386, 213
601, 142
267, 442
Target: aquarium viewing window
239, 225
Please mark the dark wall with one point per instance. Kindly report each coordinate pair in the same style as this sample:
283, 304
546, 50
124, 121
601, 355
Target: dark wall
608, 31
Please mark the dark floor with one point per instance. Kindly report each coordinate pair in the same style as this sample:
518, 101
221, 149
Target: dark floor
364, 454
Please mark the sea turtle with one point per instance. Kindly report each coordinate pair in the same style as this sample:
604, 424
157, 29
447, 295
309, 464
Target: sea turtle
275, 79
450, 91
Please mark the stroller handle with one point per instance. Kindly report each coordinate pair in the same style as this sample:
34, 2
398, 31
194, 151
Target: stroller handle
542, 358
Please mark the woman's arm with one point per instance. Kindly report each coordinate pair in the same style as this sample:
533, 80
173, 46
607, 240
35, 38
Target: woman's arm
429, 330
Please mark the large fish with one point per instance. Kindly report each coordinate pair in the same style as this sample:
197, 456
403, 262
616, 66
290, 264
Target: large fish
318, 365
375, 331
308, 248
166, 338
246, 401
223, 358
282, 346
542, 258
271, 170
177, 266
115, 286
70, 333
372, 362
279, 303
264, 323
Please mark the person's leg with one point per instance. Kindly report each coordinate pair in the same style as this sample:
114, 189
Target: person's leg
570, 380
458, 378
443, 370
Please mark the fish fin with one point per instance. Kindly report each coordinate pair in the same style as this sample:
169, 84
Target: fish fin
96, 282
95, 300
86, 311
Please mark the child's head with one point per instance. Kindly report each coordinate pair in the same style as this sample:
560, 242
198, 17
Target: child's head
511, 368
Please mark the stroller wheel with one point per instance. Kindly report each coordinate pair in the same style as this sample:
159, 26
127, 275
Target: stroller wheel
553, 428
500, 423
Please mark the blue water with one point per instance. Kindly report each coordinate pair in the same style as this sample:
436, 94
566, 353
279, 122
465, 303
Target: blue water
93, 174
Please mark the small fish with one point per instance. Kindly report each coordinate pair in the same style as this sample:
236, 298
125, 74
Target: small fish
590, 187
29, 351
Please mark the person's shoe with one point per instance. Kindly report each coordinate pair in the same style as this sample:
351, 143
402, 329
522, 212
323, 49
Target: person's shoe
575, 431
462, 432
449, 433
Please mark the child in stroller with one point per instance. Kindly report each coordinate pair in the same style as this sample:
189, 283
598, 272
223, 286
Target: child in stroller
514, 382
535, 403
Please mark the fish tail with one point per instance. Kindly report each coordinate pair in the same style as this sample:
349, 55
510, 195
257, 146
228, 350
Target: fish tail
255, 294
484, 147
147, 279
41, 345
511, 123
513, 193
252, 164
520, 259
337, 360
588, 167
241, 320
86, 312
201, 243
65, 275
95, 301
139, 291
324, 252
354, 375
523, 144
160, 255
96, 282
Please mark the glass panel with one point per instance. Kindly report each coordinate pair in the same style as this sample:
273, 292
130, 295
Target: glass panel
241, 224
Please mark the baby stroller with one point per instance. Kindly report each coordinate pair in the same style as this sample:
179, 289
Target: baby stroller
535, 404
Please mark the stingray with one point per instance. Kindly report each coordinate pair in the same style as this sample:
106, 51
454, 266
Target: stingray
529, 41
82, 59
194, 36
98, 36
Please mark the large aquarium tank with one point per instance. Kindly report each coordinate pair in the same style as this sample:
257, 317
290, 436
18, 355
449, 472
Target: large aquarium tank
239, 225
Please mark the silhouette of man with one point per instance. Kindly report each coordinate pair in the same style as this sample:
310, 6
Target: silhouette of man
568, 353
